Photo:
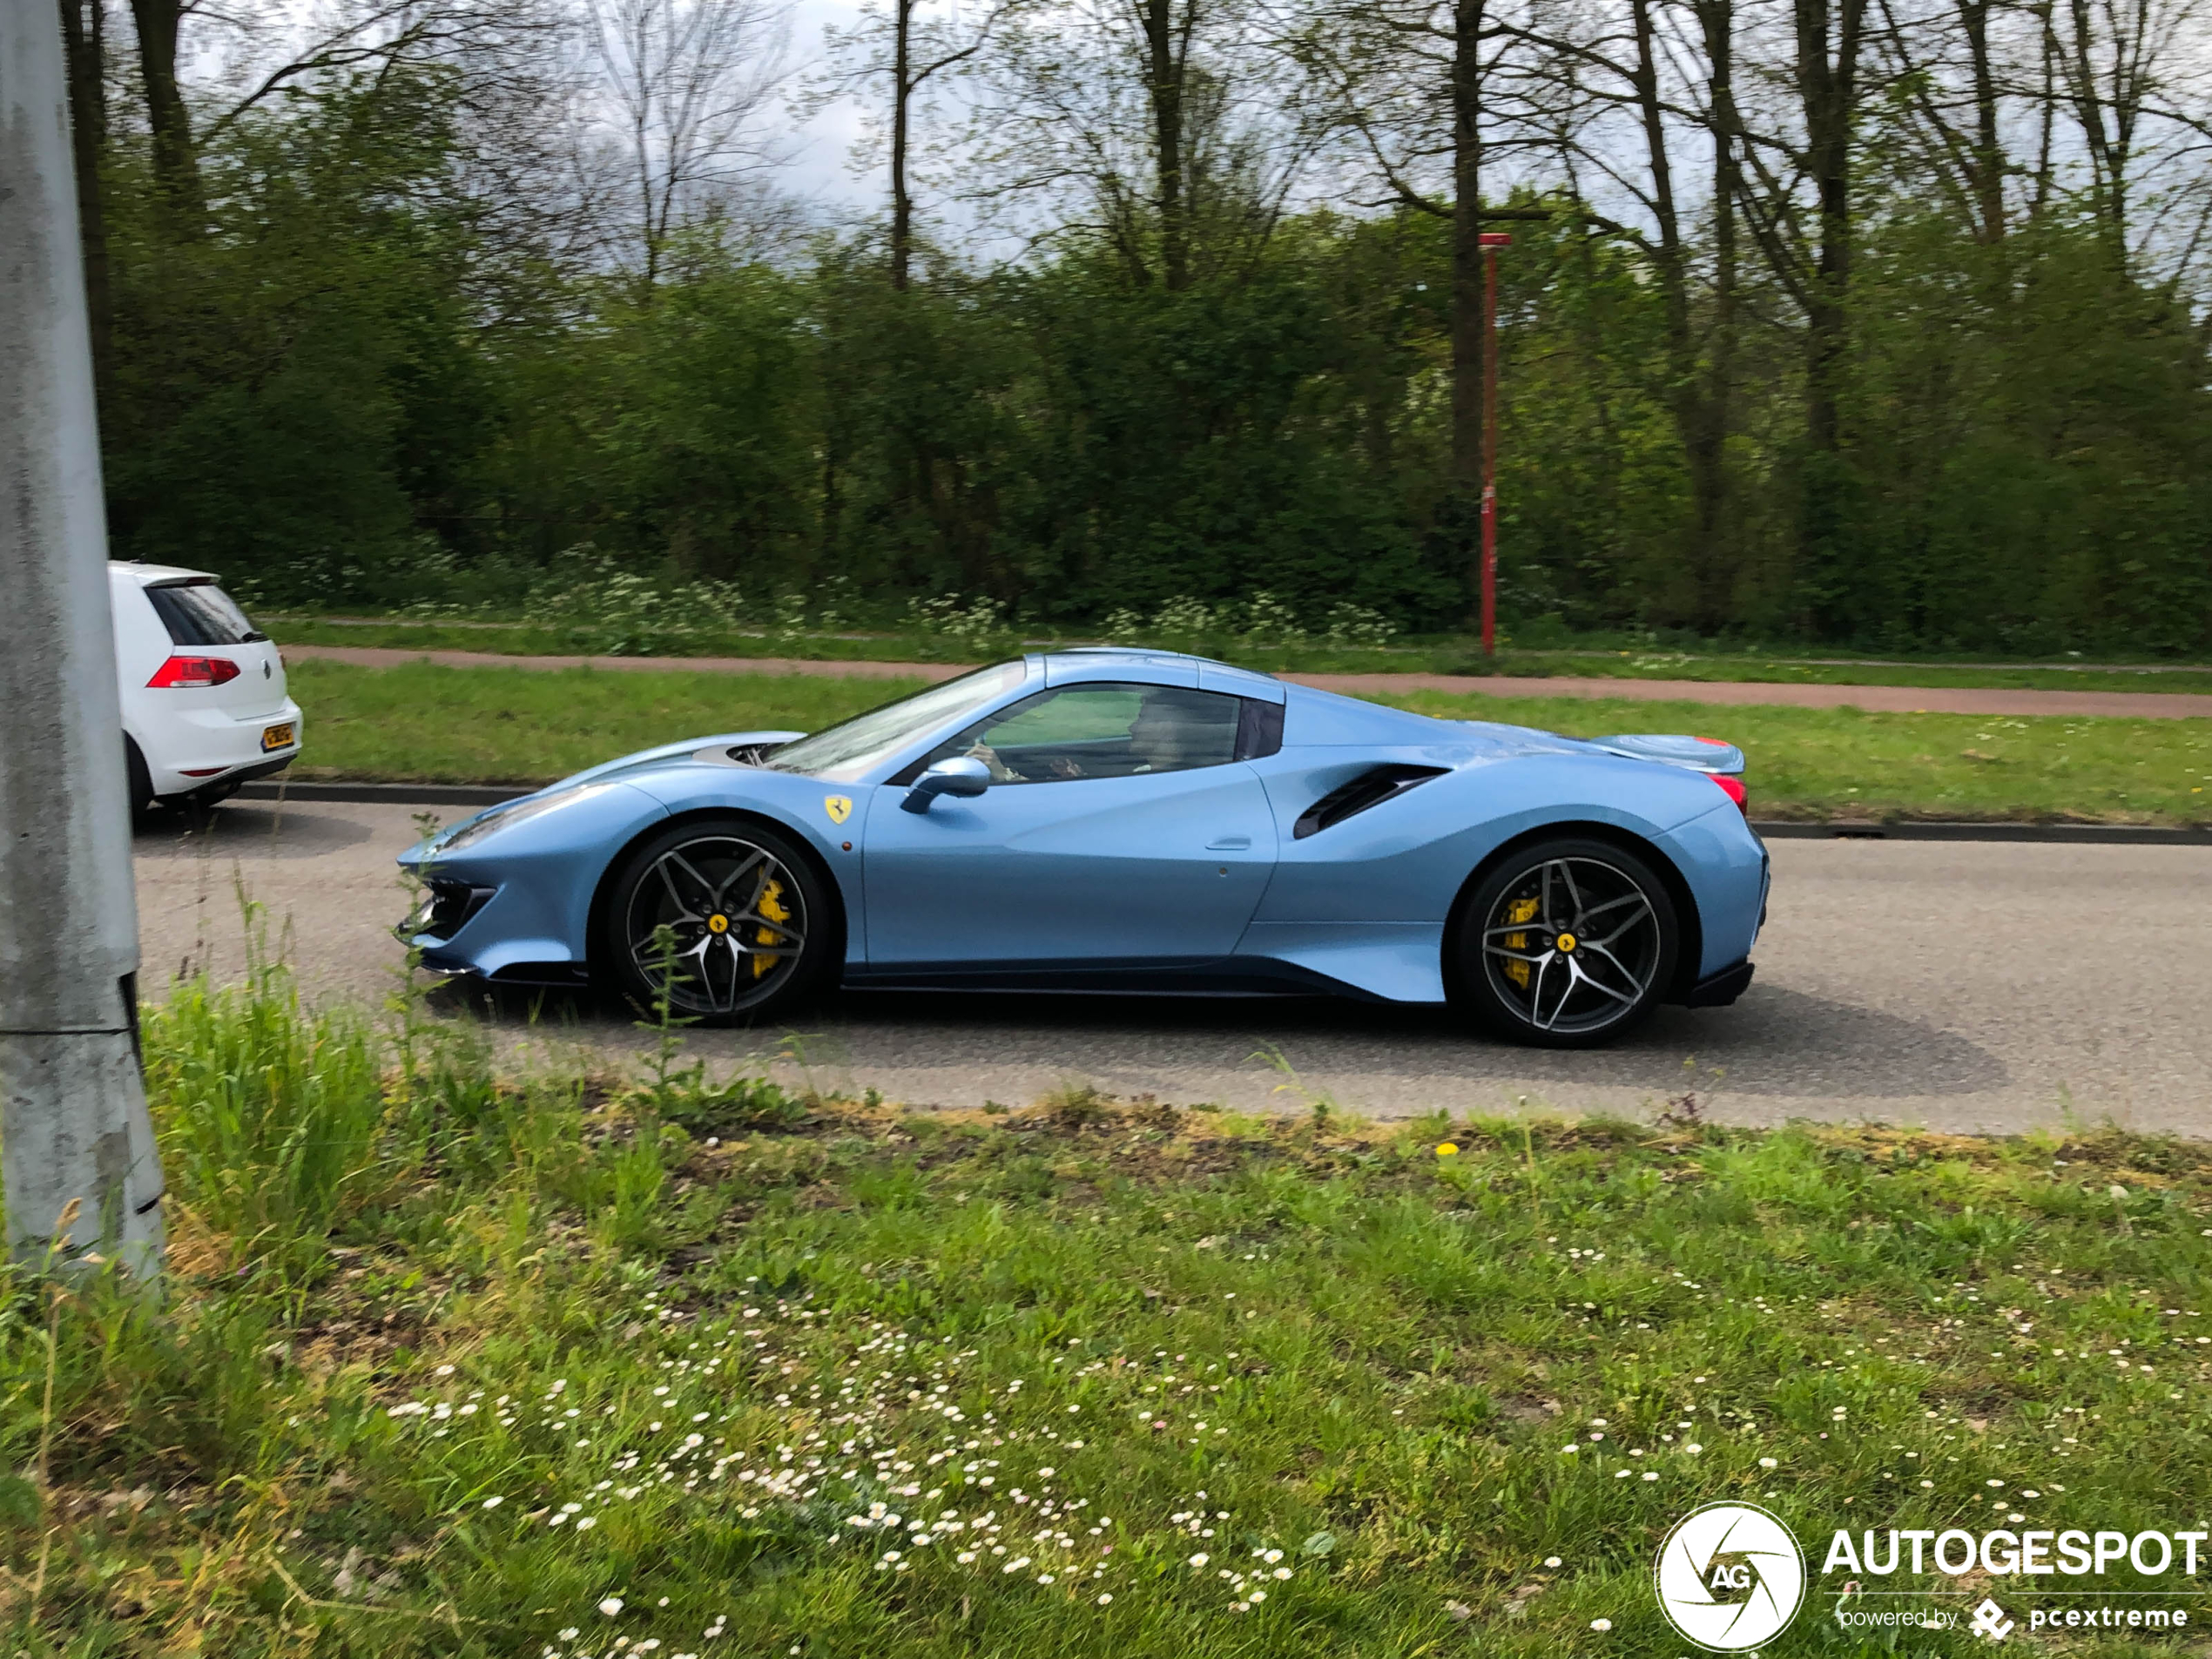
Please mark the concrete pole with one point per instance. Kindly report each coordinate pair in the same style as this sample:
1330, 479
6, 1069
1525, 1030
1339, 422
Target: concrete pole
73, 1122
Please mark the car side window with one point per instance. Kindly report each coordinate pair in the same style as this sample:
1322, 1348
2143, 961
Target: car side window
1107, 729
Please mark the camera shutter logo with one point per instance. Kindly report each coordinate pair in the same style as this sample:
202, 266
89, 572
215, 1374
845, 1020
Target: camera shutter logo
1730, 1577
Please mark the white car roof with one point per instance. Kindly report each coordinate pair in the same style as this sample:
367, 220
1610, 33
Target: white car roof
142, 574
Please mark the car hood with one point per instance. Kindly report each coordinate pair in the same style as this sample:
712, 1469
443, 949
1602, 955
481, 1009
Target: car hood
629, 768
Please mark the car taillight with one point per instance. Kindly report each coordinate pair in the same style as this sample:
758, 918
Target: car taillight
1733, 788
180, 672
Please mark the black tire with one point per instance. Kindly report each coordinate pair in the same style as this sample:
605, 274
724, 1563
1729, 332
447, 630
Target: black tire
752, 930
139, 782
1543, 954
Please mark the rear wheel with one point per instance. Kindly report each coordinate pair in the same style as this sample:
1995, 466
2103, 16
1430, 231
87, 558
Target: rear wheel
727, 914
1568, 944
140, 782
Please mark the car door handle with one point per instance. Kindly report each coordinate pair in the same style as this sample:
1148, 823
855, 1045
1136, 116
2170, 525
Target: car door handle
1231, 844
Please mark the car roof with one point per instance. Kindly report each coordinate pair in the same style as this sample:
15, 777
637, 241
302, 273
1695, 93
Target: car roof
1164, 667
1128, 653
131, 571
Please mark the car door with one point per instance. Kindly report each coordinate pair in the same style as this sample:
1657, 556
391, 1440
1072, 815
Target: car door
1119, 829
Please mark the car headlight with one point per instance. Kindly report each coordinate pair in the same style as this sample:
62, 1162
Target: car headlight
507, 817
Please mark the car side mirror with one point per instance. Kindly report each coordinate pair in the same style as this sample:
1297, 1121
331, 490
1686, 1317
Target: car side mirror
962, 775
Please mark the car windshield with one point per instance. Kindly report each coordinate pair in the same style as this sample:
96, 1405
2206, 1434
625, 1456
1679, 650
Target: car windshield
196, 612
845, 753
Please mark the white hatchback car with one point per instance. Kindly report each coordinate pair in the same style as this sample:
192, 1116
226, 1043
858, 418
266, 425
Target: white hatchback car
204, 702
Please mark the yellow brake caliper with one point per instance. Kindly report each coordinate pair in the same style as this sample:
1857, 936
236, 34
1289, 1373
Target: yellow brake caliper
1521, 910
773, 907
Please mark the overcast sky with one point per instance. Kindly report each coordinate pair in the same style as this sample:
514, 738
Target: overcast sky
822, 169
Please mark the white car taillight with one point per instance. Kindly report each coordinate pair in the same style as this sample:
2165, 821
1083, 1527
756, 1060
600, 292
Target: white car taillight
180, 672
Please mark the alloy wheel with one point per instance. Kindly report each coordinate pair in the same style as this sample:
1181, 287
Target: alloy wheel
735, 925
1572, 945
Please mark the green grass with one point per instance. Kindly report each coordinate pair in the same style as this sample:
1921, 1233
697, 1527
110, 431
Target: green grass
1774, 670
1439, 654
422, 724
447, 1360
1823, 763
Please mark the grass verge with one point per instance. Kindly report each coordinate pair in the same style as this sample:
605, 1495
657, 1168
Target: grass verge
452, 1365
420, 724
1435, 654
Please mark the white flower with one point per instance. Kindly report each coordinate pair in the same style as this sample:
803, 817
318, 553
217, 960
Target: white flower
494, 1502
1198, 1560
1104, 1596
1766, 1463
611, 1606
568, 1635
1281, 1572
1652, 1474
1600, 1624
1551, 1561
1693, 1449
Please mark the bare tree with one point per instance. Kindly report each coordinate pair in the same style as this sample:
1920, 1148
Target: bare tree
1165, 124
694, 84
84, 60
1433, 101
159, 25
909, 46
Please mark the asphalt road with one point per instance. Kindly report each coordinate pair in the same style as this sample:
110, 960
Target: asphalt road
1963, 985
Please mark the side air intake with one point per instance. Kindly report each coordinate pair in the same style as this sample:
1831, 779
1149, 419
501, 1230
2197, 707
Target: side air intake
1371, 788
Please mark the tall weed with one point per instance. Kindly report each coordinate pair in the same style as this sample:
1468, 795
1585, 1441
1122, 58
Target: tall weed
270, 1114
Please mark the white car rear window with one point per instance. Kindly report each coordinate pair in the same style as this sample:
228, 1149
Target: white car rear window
199, 613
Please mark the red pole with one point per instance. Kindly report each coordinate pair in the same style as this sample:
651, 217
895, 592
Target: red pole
1492, 241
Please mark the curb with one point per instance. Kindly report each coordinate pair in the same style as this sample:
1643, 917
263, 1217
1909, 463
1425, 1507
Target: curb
392, 795
1769, 829
2088, 834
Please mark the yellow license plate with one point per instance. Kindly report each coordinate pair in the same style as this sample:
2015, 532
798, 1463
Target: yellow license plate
276, 737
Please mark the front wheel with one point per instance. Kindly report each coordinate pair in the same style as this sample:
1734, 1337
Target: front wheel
1567, 944
726, 914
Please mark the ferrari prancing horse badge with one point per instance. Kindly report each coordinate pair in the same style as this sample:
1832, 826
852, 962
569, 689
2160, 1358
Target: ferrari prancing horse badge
839, 808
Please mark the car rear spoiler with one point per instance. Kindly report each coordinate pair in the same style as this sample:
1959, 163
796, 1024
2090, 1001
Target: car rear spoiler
1697, 754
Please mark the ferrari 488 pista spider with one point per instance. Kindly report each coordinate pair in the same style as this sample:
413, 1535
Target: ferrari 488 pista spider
1115, 820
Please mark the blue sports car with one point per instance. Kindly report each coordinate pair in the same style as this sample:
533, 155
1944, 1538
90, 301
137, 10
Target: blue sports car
1119, 820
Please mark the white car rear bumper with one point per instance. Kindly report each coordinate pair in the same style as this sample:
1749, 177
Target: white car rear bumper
203, 746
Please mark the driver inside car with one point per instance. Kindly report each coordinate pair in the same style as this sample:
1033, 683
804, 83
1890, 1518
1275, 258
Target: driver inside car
1174, 729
